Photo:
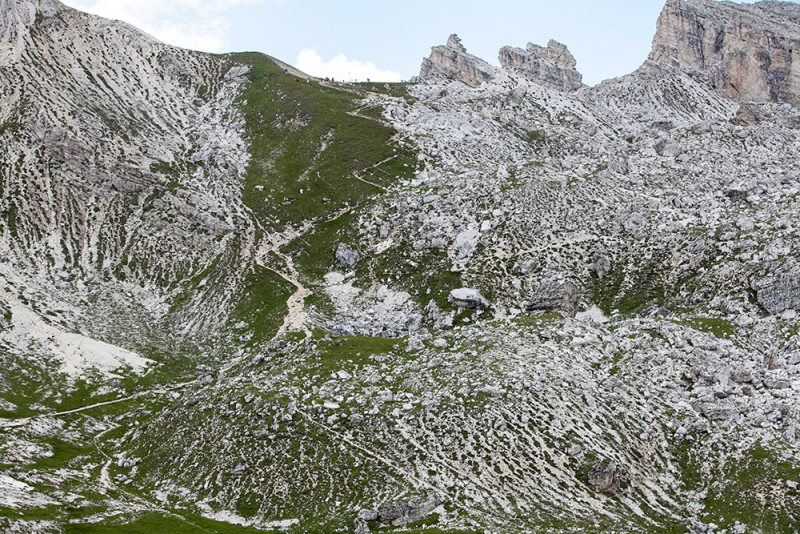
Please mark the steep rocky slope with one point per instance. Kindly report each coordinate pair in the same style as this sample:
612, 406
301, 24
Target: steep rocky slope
120, 183
494, 300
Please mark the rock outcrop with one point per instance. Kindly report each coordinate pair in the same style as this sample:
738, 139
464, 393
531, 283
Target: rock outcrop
555, 296
347, 256
747, 52
452, 62
605, 478
552, 66
467, 298
405, 513
777, 294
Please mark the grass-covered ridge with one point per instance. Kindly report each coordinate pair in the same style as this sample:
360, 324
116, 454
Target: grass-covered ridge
307, 144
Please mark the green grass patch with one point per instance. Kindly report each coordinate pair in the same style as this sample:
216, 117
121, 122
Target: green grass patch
305, 146
721, 328
537, 321
153, 522
744, 489
262, 307
630, 288
425, 275
63, 453
391, 89
348, 351
314, 252
9, 125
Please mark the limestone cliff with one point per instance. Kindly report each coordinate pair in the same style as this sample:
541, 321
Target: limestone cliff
552, 66
747, 52
453, 62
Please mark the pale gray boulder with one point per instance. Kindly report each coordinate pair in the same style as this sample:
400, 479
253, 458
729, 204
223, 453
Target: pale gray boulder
468, 298
555, 296
347, 256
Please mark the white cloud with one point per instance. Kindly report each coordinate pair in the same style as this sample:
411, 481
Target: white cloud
196, 24
341, 68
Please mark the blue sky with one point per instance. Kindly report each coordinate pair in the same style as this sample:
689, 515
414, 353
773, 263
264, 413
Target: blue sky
388, 39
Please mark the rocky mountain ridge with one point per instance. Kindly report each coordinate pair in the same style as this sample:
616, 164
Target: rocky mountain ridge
745, 51
552, 66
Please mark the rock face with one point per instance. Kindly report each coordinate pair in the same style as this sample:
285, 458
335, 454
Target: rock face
779, 293
451, 62
553, 66
605, 478
553, 295
470, 299
747, 52
405, 513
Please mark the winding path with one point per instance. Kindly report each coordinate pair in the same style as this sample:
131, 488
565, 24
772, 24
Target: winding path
296, 317
14, 423
107, 482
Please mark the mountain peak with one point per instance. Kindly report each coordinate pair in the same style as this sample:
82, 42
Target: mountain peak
748, 52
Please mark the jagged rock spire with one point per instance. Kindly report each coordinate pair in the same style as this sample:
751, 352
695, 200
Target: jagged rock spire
454, 42
553, 66
451, 62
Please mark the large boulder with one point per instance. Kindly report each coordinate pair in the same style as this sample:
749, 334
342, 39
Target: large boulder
779, 293
668, 149
360, 527
347, 256
605, 478
555, 296
602, 266
467, 298
404, 513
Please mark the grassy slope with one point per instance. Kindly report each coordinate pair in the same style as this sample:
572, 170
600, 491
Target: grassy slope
309, 142
744, 489
305, 145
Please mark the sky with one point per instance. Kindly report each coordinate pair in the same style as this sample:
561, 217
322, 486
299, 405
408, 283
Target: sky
386, 40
